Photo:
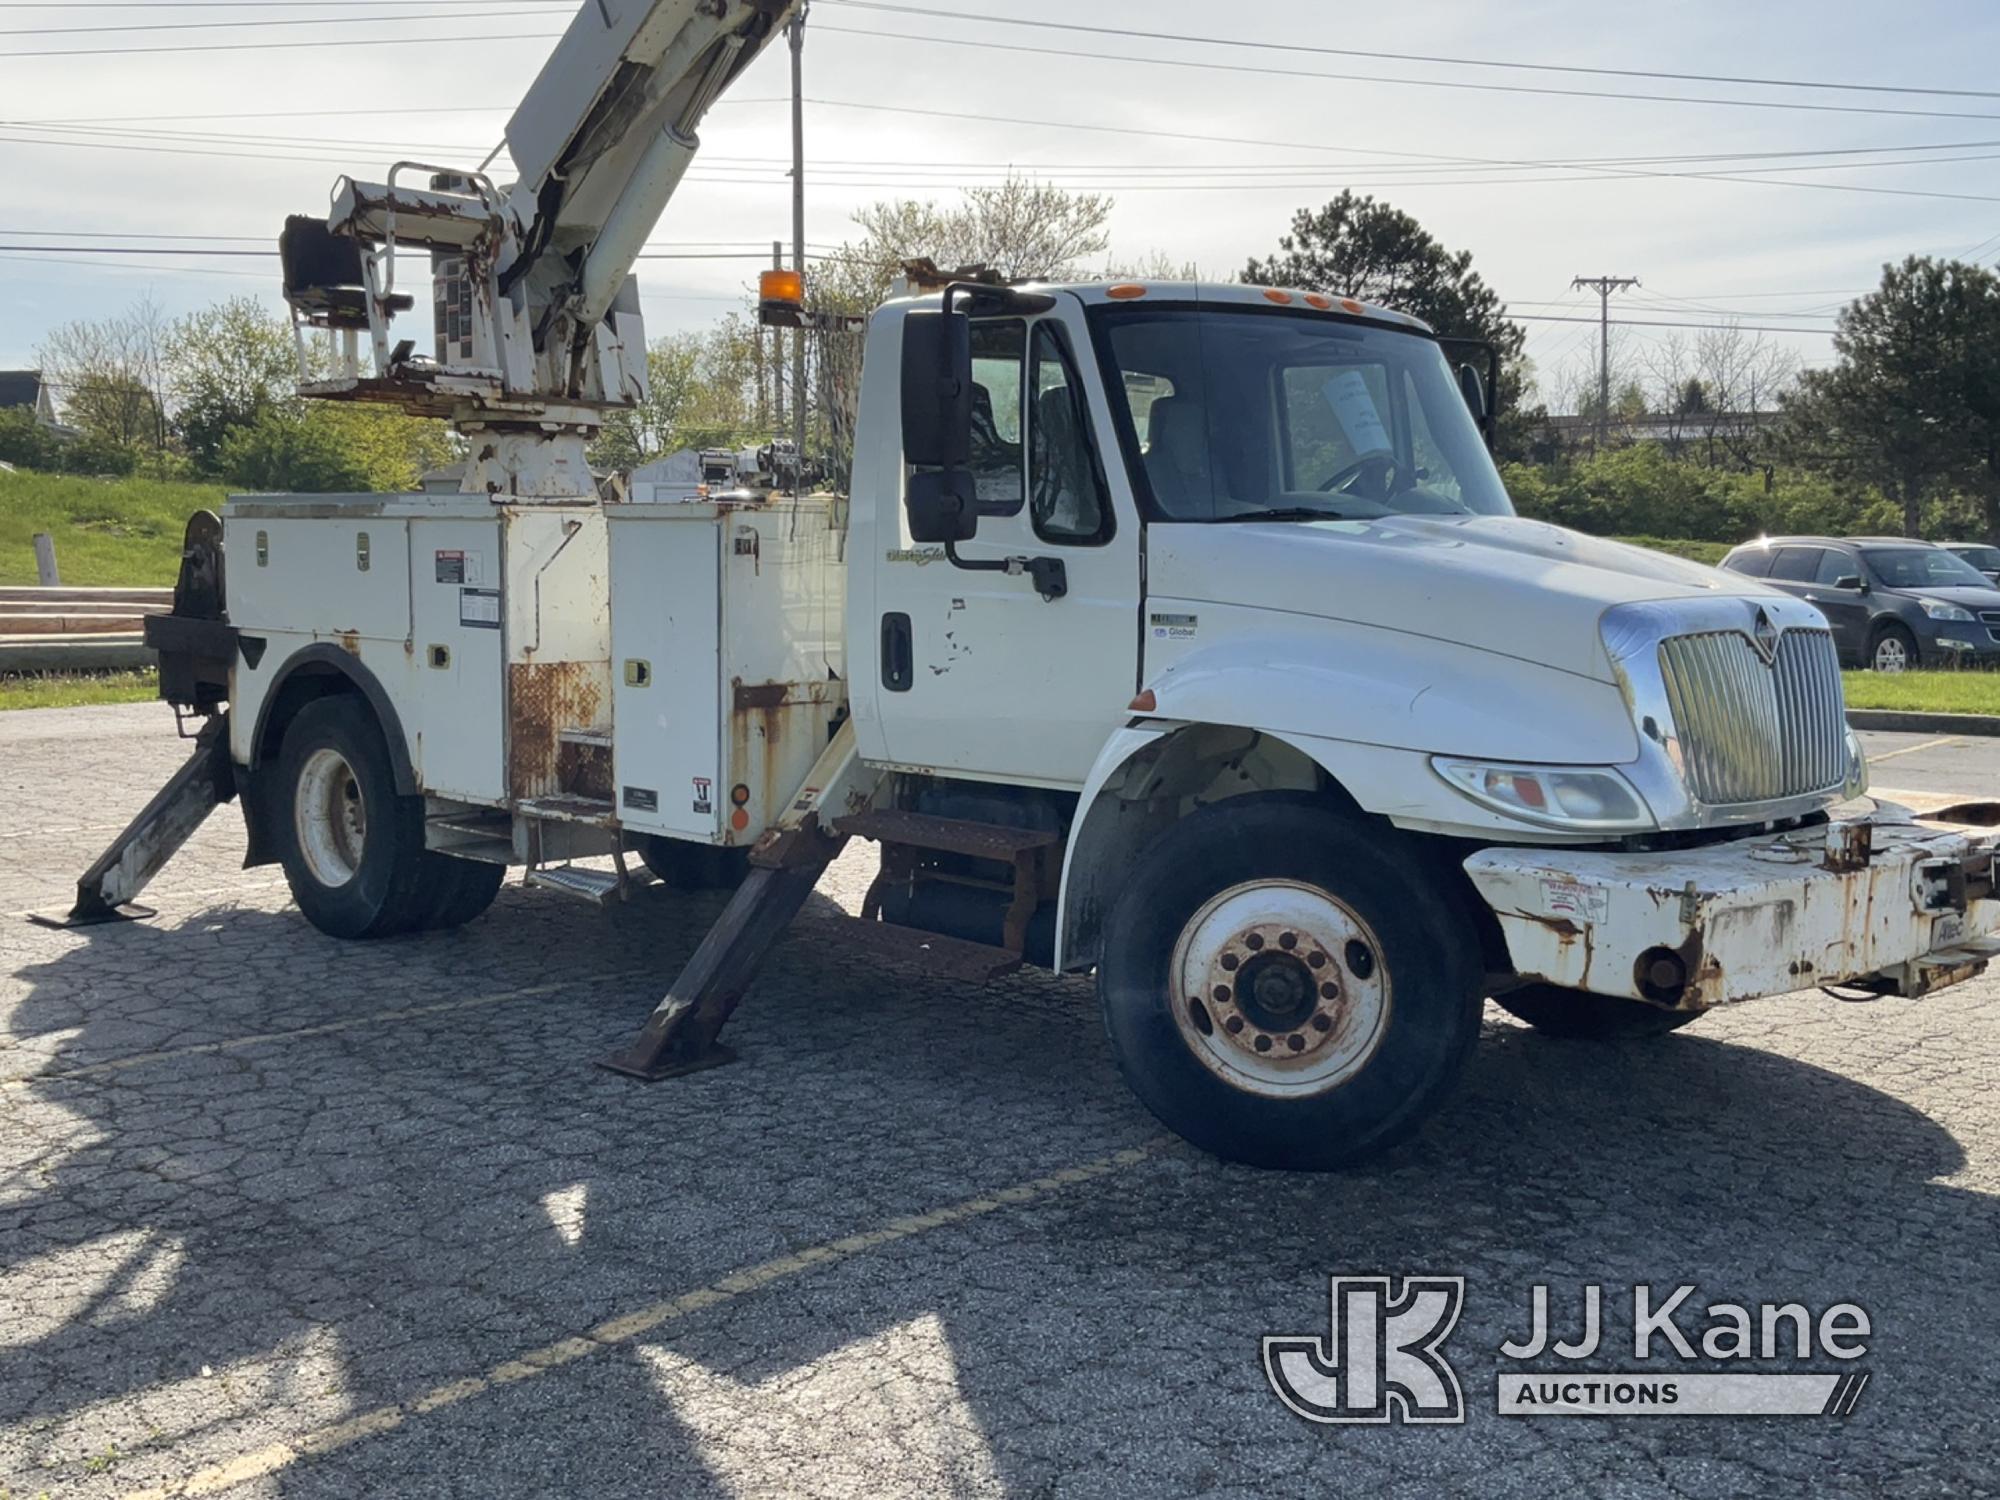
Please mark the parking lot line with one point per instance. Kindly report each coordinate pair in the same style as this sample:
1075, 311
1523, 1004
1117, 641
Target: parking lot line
1913, 749
350, 1023
616, 1333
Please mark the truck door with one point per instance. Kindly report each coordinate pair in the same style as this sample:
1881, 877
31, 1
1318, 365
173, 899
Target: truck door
980, 675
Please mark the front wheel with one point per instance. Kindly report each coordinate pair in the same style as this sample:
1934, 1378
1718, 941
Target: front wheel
1894, 650
1282, 986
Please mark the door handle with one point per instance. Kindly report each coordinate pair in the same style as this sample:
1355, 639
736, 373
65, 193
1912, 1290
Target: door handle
899, 668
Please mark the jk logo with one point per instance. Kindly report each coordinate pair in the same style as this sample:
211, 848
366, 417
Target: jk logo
1380, 1362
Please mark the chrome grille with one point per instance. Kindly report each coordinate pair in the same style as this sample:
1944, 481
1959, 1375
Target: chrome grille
1752, 732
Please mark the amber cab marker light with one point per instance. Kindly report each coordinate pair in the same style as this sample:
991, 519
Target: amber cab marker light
1351, 305
1272, 294
1125, 291
1319, 300
1145, 703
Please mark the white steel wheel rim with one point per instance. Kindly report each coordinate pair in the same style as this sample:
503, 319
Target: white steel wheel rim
330, 815
1891, 655
1279, 989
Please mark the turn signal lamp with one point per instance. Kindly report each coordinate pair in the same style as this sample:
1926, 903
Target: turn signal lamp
1558, 796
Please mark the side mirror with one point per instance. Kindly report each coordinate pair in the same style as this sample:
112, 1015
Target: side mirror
1848, 581
1473, 389
942, 505
937, 390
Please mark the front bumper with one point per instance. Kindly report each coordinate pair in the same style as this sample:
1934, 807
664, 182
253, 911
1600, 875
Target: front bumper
1874, 898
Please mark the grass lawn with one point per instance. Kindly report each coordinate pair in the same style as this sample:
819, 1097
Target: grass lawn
78, 690
1925, 692
123, 532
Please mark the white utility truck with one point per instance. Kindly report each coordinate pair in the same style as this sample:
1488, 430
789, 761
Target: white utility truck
1183, 635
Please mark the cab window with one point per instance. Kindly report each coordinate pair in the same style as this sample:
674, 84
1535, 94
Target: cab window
998, 348
1068, 500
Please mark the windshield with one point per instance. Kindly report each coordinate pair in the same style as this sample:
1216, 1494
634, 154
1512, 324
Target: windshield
1986, 559
1923, 568
1242, 414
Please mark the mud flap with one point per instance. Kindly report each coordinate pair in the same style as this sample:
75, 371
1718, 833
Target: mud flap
108, 888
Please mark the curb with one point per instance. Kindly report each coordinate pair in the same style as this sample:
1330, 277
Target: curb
1918, 723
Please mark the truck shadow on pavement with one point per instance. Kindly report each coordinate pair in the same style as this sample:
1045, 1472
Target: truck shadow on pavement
210, 1251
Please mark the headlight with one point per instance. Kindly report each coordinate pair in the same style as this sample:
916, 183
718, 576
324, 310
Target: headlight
1937, 609
1583, 801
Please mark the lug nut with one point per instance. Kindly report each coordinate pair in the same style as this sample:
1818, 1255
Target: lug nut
1322, 1022
1263, 1044
1329, 991
1230, 962
1296, 1042
1233, 1025
1222, 994
1254, 942
1288, 940
1316, 959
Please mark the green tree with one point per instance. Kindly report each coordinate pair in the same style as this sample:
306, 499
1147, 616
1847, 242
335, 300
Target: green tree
1357, 246
292, 450
109, 375
1913, 403
226, 366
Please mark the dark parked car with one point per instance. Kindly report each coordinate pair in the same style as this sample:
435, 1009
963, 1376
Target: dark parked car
1893, 604
1982, 555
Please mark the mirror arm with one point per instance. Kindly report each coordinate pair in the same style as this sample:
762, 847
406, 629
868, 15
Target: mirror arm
1051, 578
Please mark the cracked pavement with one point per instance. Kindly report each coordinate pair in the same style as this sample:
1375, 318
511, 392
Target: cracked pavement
281, 1216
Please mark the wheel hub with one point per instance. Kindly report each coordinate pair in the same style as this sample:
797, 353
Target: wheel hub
1278, 987
331, 817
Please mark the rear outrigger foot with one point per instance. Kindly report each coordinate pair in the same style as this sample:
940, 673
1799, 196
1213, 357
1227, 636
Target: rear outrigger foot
680, 1036
204, 783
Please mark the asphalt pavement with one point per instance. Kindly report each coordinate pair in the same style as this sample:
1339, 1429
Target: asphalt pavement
281, 1216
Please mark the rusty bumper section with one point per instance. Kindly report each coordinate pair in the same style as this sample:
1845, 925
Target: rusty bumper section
1882, 901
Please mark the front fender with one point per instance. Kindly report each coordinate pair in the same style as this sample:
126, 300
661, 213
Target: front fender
1333, 680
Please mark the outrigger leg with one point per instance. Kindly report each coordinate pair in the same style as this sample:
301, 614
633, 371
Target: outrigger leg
107, 889
680, 1036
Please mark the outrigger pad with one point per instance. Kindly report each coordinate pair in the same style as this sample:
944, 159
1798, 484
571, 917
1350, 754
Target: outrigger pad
632, 1063
79, 916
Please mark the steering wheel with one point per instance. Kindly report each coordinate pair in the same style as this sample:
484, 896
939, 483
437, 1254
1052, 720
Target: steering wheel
1379, 461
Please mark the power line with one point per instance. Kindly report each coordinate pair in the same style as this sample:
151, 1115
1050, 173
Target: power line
1430, 83
475, 15
331, 41
1417, 57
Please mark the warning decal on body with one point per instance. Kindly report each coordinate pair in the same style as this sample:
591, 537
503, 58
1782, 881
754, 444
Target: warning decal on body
1572, 898
480, 608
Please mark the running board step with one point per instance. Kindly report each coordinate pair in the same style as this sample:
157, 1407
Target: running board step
599, 887
933, 952
951, 835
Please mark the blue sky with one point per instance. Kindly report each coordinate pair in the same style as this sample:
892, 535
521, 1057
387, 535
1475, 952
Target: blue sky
1784, 255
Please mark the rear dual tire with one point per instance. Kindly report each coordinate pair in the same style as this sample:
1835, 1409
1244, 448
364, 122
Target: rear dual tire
352, 847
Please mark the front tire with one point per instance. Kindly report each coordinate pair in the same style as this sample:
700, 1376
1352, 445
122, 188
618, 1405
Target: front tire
1555, 1011
352, 848
1282, 987
459, 889
1894, 649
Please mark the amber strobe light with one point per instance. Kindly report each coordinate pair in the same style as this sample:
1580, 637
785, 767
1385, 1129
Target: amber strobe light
781, 298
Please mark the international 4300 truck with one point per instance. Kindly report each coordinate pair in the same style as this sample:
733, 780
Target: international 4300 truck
1183, 635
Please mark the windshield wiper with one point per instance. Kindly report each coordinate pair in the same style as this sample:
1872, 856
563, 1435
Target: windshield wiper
1288, 513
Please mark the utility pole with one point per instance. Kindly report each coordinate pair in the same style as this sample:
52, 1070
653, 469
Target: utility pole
1604, 286
778, 343
799, 246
